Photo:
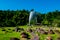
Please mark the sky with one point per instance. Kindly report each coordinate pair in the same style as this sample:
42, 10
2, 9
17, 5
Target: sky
42, 6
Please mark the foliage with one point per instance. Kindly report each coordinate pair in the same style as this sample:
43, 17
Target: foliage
9, 18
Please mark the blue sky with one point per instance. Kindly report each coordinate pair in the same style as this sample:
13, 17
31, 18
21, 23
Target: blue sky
42, 6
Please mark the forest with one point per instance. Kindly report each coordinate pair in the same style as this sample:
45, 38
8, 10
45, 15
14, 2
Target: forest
13, 18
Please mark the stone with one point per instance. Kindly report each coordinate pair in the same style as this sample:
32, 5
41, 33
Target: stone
49, 38
13, 30
30, 30
3, 30
14, 38
57, 31
25, 35
51, 31
58, 38
19, 29
9, 29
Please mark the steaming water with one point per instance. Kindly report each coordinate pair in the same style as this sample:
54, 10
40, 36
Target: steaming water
31, 16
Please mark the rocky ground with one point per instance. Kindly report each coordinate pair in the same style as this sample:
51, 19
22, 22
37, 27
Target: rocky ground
30, 33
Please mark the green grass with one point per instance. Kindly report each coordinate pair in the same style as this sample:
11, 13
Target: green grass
9, 34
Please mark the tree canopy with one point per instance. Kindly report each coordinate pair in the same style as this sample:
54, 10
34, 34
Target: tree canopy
12, 18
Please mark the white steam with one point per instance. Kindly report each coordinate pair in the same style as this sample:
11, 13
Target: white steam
31, 16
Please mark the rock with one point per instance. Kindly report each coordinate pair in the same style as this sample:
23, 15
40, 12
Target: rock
13, 30
57, 31
25, 35
41, 29
3, 30
43, 32
6, 32
9, 29
58, 38
19, 29
14, 39
35, 37
30, 30
50, 31
49, 38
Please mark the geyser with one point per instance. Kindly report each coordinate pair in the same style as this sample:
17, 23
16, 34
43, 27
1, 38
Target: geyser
32, 16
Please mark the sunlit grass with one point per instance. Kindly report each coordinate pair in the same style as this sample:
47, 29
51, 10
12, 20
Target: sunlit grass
10, 33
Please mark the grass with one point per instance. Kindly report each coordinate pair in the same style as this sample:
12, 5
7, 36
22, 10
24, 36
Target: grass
6, 36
